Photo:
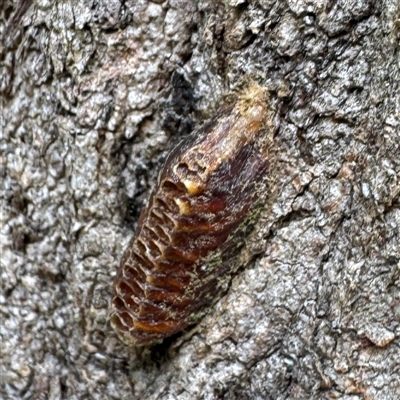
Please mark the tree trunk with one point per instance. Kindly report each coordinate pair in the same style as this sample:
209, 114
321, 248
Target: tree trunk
93, 96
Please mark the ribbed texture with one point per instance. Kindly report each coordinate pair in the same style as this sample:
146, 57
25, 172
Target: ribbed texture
188, 235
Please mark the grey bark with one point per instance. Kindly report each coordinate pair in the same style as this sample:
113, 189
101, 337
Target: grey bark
93, 95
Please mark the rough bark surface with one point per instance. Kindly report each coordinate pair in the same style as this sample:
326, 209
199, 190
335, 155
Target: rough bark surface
94, 93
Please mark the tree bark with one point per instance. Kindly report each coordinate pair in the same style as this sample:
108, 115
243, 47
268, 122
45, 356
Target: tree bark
93, 96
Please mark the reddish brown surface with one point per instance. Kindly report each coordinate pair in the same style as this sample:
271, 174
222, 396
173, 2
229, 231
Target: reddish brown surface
204, 193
